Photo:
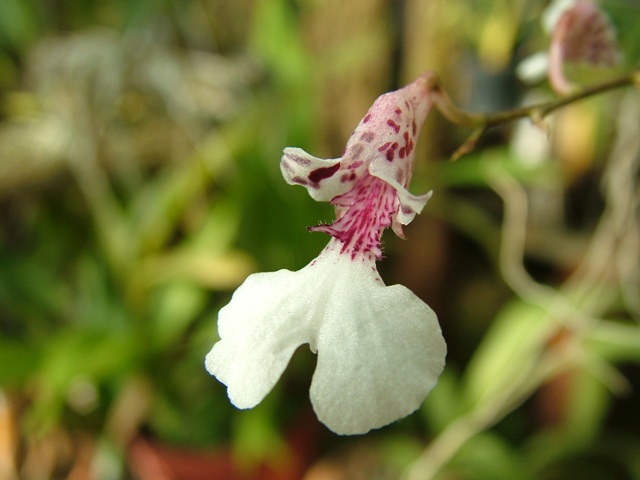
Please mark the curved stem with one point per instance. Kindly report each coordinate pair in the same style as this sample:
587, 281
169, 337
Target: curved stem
480, 122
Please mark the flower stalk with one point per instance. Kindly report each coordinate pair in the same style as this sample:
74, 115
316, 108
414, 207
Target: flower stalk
481, 122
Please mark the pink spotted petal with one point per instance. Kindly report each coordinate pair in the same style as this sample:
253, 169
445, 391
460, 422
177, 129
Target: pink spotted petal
383, 144
321, 177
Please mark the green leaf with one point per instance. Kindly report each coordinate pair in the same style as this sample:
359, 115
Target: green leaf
615, 341
488, 457
472, 170
93, 355
17, 362
443, 404
175, 307
256, 438
18, 25
509, 351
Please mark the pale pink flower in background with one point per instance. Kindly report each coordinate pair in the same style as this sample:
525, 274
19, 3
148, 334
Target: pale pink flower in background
380, 348
581, 34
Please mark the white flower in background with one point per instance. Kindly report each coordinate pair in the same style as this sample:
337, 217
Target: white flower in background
380, 349
581, 34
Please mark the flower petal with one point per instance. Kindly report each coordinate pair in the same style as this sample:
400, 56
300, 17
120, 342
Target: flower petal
383, 142
582, 34
410, 204
551, 15
266, 320
320, 176
380, 353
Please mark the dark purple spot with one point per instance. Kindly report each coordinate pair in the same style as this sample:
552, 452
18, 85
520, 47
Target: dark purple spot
368, 136
355, 165
384, 147
299, 180
299, 160
391, 152
366, 118
414, 127
348, 177
325, 172
408, 143
356, 150
398, 111
402, 152
393, 125
406, 210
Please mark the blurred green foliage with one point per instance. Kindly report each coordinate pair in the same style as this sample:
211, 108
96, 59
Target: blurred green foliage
140, 184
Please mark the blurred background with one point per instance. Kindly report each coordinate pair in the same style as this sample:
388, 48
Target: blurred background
139, 185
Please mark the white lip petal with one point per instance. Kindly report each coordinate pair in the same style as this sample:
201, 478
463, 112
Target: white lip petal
266, 320
379, 355
268, 317
380, 349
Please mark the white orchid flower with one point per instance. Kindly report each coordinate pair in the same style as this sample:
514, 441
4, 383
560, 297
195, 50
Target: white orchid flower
380, 349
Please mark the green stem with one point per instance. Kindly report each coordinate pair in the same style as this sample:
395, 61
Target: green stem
480, 122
